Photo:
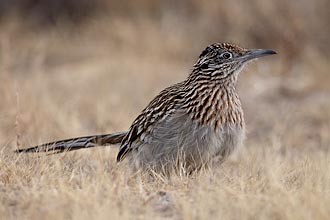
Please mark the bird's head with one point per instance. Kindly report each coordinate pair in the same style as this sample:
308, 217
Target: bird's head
219, 61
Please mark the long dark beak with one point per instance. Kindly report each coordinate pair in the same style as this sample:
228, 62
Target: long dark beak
256, 53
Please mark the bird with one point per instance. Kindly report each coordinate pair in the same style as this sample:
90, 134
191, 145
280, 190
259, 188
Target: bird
188, 125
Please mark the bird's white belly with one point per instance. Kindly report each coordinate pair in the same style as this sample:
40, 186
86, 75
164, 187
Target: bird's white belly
180, 140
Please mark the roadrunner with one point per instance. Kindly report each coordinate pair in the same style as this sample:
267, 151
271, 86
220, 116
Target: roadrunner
189, 124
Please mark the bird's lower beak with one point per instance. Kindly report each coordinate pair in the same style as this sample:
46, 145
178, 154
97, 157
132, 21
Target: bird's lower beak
256, 53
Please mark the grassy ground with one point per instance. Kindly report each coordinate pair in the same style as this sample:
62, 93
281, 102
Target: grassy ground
57, 83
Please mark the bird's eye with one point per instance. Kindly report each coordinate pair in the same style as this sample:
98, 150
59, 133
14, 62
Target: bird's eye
226, 55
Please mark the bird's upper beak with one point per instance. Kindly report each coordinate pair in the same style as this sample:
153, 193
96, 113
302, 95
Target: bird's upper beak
256, 53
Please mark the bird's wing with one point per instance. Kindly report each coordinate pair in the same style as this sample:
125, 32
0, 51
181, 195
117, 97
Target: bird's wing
163, 105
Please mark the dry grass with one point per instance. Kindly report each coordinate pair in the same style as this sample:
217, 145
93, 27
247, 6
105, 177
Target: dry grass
262, 184
57, 83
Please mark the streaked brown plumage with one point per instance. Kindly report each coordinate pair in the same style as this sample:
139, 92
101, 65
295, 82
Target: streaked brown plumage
191, 122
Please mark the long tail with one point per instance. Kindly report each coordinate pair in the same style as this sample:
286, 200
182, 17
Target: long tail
76, 143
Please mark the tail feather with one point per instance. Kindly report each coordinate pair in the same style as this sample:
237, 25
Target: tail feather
76, 143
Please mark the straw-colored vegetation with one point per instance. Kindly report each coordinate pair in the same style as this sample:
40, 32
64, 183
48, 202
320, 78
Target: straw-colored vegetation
63, 79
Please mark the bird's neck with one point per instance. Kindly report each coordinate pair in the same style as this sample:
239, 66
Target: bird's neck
213, 103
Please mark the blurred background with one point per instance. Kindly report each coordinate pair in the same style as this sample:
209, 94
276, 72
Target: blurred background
77, 67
